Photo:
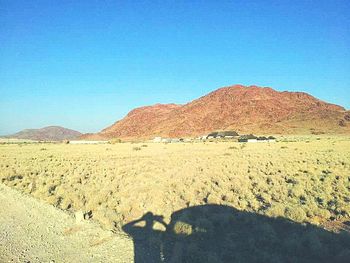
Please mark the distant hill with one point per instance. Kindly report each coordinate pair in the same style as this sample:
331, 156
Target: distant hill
243, 109
51, 133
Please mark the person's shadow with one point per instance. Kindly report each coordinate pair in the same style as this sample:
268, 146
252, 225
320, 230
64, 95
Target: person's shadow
217, 233
147, 241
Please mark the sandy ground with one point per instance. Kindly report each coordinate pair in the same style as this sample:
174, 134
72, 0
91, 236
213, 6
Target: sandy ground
32, 231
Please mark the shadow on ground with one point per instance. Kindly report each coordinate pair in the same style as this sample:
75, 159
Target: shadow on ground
216, 233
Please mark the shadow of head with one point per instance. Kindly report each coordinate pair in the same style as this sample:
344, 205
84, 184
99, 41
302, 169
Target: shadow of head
216, 233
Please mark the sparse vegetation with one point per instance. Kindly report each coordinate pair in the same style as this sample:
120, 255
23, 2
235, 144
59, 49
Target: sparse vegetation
136, 148
115, 140
298, 181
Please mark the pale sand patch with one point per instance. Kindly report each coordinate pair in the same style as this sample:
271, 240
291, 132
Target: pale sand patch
32, 231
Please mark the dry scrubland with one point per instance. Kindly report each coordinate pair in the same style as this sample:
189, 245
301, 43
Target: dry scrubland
298, 179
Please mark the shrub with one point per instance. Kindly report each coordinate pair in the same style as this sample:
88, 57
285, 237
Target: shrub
182, 228
323, 213
317, 132
295, 213
232, 148
276, 210
115, 140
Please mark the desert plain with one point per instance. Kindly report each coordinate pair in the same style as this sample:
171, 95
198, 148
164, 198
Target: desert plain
208, 201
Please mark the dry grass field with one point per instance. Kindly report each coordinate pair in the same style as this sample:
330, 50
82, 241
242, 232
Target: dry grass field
303, 181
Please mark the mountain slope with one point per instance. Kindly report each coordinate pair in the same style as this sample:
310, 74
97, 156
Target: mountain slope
50, 133
244, 109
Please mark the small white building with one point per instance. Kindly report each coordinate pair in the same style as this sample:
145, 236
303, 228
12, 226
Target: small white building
88, 142
157, 139
248, 138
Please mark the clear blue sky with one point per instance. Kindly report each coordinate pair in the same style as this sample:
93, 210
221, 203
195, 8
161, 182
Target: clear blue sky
85, 64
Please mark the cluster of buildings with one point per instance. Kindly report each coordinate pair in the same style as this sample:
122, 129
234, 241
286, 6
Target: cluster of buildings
252, 138
86, 142
220, 135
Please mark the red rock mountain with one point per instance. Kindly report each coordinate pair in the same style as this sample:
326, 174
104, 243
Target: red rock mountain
243, 109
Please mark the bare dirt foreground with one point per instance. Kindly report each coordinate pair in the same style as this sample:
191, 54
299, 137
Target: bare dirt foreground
32, 231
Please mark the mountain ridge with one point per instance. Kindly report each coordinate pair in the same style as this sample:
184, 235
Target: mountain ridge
49, 133
246, 109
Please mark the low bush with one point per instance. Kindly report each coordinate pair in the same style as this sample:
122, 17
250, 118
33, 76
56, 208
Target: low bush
115, 140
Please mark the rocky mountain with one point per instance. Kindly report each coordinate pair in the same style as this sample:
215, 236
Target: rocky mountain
51, 133
243, 109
